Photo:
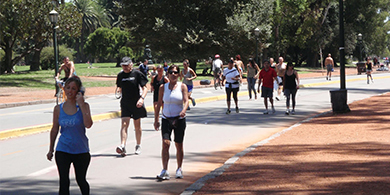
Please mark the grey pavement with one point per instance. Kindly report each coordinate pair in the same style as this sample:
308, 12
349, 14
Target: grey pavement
210, 134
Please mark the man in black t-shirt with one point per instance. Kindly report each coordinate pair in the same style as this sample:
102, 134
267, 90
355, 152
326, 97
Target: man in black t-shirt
132, 103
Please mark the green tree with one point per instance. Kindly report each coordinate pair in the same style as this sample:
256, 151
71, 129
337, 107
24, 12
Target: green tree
93, 17
107, 43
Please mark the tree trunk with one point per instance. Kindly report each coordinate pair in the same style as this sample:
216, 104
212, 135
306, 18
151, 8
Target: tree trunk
312, 59
118, 62
193, 64
7, 66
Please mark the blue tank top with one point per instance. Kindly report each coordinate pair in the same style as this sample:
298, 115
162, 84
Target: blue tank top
72, 139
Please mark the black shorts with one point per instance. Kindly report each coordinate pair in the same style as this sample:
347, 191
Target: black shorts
266, 92
179, 128
281, 81
129, 109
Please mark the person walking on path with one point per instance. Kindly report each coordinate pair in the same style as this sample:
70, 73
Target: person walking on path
369, 70
239, 66
252, 75
217, 67
267, 77
73, 116
290, 87
280, 70
155, 84
129, 82
175, 98
187, 75
329, 66
144, 68
232, 85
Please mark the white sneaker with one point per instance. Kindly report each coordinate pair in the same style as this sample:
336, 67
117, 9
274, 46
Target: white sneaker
287, 112
164, 175
137, 149
292, 112
179, 173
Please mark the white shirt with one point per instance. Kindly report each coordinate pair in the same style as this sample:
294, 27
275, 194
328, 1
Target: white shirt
229, 75
173, 101
217, 63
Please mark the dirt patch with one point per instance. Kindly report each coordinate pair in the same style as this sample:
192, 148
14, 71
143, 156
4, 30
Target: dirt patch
331, 154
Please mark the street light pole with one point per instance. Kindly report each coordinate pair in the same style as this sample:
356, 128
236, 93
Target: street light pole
360, 39
53, 16
257, 33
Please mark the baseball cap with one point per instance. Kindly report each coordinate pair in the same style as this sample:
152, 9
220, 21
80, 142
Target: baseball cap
217, 56
126, 61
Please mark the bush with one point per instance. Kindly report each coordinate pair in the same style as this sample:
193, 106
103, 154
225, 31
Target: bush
47, 56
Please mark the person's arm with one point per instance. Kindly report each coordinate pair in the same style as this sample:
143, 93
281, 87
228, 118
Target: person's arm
258, 71
157, 110
59, 71
296, 78
53, 132
72, 69
85, 110
181, 75
151, 83
258, 86
184, 91
142, 98
166, 79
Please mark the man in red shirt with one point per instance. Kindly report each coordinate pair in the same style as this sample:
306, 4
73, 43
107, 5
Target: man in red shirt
267, 76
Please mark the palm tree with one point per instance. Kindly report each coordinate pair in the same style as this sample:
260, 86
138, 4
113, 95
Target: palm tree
93, 16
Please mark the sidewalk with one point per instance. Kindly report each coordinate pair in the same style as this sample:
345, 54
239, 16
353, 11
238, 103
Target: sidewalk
329, 154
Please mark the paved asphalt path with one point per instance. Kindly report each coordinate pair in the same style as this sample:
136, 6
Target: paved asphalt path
211, 138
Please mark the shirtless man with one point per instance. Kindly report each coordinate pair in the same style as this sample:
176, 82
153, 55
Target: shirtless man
280, 70
329, 67
271, 62
68, 68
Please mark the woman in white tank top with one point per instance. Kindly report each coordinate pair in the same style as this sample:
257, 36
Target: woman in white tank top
175, 97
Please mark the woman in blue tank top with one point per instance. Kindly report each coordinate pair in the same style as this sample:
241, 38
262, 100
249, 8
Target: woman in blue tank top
73, 116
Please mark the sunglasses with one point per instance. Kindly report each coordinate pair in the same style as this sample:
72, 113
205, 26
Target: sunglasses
173, 72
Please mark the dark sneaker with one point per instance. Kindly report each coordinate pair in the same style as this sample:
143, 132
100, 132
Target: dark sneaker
287, 112
292, 112
193, 102
228, 111
237, 110
266, 112
121, 150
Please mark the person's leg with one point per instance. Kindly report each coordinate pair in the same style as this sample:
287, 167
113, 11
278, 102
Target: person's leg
63, 162
179, 154
124, 127
228, 97
253, 87
165, 153
138, 130
293, 94
249, 87
179, 138
266, 103
81, 163
235, 91
287, 94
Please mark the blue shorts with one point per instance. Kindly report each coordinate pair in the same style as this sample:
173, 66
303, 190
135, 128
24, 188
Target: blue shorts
190, 87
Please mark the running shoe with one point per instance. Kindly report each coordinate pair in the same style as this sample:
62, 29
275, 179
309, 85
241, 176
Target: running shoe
293, 112
193, 102
237, 110
266, 112
179, 173
164, 175
228, 111
277, 98
137, 149
287, 112
273, 110
121, 150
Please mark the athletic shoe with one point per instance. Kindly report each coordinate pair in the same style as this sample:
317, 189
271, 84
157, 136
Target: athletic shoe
188, 108
179, 173
326, 78
277, 98
228, 111
193, 102
292, 112
137, 149
121, 150
273, 110
237, 110
164, 175
372, 80
266, 112
287, 112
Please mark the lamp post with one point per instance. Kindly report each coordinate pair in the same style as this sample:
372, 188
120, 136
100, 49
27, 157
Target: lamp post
53, 16
360, 39
257, 33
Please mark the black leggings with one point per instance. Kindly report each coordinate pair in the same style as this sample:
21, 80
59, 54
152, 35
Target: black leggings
80, 164
229, 92
293, 93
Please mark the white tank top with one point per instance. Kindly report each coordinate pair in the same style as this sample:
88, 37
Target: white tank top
173, 101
